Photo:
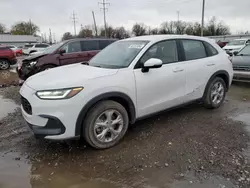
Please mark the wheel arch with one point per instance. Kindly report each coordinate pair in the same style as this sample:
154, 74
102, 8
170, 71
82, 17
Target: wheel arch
222, 74
119, 97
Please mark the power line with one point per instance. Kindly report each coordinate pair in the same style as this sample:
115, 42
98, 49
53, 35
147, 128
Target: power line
74, 21
104, 8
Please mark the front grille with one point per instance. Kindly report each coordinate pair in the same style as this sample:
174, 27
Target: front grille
26, 105
241, 68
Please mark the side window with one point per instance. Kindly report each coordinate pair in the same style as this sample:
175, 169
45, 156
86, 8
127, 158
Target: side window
194, 49
41, 46
90, 45
104, 43
72, 47
165, 51
211, 51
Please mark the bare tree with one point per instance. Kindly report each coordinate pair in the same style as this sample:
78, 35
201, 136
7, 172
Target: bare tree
216, 28
120, 33
67, 36
168, 28
86, 31
2, 28
139, 29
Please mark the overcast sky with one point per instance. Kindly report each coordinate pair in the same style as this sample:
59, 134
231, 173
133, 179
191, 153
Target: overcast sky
56, 14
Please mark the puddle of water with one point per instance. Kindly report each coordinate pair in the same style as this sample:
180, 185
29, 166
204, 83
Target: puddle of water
244, 118
13, 173
6, 106
213, 182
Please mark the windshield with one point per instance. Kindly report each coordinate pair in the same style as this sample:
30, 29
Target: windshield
118, 55
53, 48
245, 51
236, 42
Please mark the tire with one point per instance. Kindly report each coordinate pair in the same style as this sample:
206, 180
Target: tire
215, 93
111, 136
47, 67
4, 64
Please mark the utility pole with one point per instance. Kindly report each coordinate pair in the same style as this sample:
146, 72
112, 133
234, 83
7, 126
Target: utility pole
202, 19
30, 27
178, 15
54, 38
50, 37
74, 21
104, 8
178, 22
94, 23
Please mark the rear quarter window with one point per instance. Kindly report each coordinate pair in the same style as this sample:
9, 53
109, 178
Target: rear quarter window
211, 51
193, 49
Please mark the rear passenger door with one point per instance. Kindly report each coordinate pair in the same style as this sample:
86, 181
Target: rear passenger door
89, 49
200, 65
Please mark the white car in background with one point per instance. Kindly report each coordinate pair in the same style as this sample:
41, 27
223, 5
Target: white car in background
31, 48
129, 80
236, 45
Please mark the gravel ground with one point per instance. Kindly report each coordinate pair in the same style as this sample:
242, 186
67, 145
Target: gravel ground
187, 147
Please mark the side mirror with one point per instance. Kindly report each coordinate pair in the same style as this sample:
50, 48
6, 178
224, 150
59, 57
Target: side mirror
235, 53
62, 51
152, 64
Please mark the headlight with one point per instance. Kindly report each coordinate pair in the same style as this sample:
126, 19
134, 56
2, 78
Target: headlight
59, 93
32, 63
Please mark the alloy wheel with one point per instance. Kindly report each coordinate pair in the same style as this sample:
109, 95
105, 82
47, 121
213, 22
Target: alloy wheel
217, 93
4, 64
108, 126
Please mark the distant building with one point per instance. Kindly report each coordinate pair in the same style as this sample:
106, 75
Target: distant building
18, 40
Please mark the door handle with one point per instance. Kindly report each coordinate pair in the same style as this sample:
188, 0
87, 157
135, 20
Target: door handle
210, 64
178, 70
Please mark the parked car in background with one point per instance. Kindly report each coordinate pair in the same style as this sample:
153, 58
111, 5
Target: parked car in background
64, 53
17, 50
129, 80
30, 48
241, 65
7, 57
222, 44
236, 45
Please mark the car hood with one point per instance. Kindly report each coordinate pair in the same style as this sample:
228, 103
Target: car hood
67, 76
241, 60
34, 56
228, 47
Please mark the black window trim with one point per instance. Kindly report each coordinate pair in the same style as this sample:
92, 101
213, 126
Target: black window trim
180, 55
185, 59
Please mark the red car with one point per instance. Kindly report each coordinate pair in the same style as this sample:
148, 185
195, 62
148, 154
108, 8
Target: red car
64, 53
7, 57
17, 50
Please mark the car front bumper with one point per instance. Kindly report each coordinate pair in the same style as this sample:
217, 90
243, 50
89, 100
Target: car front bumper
50, 119
241, 76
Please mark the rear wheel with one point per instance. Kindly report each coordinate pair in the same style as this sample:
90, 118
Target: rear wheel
215, 93
4, 64
105, 125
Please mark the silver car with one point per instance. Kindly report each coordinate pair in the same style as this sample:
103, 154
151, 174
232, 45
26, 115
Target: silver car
241, 65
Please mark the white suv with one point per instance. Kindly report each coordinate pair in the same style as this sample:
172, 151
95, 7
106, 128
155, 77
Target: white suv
129, 80
31, 48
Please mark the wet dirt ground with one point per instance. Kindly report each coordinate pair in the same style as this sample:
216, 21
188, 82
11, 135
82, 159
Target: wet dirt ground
191, 147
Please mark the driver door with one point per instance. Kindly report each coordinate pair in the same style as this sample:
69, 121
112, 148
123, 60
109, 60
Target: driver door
164, 87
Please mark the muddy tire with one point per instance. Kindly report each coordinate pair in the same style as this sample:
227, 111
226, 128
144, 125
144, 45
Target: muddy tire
215, 93
105, 124
4, 64
47, 67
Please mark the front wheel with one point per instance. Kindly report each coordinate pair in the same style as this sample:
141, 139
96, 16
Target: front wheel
4, 64
215, 93
105, 125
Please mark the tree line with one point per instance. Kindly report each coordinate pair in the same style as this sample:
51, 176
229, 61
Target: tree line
212, 28
20, 28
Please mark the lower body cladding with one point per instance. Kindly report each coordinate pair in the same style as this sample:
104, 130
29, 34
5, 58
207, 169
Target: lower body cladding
241, 76
50, 119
